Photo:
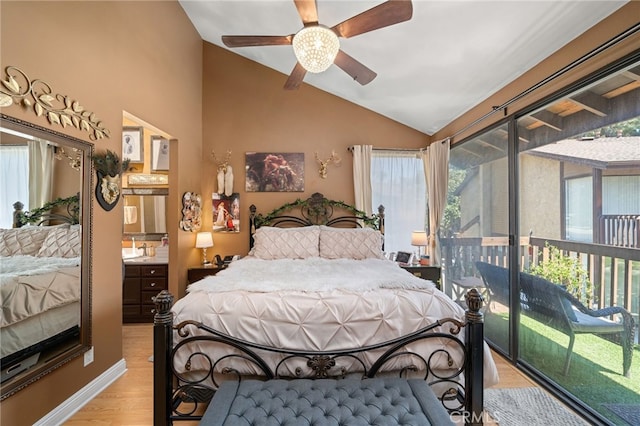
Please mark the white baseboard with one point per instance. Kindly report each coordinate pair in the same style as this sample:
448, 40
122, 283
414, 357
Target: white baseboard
68, 408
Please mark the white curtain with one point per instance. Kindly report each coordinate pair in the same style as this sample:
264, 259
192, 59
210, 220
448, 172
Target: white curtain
40, 172
362, 177
14, 181
397, 180
436, 167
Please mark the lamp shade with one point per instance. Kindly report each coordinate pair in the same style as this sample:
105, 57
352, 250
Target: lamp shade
419, 238
204, 240
315, 47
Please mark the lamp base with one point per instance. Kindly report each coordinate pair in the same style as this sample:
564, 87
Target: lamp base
204, 257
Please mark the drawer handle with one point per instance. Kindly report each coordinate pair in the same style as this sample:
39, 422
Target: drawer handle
153, 284
153, 271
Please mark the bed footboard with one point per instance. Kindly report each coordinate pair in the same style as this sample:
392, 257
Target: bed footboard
181, 393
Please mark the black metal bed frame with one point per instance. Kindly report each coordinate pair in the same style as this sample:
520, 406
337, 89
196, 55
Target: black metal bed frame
178, 396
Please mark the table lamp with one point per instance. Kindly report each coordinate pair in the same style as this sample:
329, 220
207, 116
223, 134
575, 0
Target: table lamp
419, 239
204, 240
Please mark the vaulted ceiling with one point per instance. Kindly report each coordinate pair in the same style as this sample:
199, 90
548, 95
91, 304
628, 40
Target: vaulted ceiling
447, 58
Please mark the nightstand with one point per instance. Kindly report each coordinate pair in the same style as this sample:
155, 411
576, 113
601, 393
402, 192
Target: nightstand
431, 273
196, 274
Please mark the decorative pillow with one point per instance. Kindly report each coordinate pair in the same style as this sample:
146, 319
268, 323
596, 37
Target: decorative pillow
61, 242
22, 241
350, 243
286, 243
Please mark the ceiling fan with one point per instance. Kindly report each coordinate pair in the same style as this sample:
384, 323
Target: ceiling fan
317, 47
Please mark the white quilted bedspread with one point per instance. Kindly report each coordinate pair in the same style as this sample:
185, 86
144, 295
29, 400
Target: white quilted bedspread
320, 304
30, 285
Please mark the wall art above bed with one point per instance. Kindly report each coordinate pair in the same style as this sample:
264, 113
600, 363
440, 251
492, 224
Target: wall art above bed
274, 172
226, 212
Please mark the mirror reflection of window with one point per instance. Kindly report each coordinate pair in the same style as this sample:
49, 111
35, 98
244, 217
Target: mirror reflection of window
145, 214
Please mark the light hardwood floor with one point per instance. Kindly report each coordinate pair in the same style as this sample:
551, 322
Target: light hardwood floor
129, 400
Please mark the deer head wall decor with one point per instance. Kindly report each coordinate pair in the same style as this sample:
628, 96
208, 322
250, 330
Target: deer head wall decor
324, 163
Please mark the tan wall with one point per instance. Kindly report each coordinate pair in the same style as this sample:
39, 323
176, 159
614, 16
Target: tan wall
246, 110
624, 18
142, 57
540, 189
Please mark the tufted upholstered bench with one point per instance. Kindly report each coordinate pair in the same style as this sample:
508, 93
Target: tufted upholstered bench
326, 402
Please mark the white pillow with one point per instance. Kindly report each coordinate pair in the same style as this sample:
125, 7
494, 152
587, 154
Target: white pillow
286, 243
22, 241
350, 243
61, 242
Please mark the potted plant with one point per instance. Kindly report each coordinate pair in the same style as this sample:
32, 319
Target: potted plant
109, 168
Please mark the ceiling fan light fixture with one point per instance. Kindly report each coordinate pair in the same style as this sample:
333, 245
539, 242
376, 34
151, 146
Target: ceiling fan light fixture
315, 48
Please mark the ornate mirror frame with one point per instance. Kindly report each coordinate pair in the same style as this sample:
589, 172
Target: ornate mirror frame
84, 343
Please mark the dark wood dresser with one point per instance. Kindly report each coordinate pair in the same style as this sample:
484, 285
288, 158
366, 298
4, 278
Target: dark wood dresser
141, 283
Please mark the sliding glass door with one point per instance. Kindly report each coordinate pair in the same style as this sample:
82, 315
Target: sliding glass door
544, 216
579, 206
475, 237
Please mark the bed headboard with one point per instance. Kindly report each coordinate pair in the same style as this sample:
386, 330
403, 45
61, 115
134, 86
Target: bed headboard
315, 210
43, 215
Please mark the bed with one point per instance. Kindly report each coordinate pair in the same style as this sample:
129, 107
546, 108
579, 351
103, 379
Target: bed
315, 297
39, 288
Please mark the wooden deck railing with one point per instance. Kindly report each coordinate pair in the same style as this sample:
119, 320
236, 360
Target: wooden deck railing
614, 271
620, 230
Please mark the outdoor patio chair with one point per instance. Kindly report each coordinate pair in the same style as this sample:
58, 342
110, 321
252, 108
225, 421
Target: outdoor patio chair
496, 281
551, 304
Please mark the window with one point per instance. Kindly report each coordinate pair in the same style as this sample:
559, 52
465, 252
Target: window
398, 183
14, 181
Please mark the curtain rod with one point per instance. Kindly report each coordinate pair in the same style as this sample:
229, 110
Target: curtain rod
350, 149
617, 39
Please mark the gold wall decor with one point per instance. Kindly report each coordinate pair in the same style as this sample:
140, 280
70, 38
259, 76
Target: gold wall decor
334, 158
147, 179
37, 95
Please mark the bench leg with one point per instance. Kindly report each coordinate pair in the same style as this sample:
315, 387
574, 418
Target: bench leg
567, 362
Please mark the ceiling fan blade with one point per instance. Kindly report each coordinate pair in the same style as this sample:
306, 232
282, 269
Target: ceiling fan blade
307, 10
355, 69
296, 77
388, 13
249, 40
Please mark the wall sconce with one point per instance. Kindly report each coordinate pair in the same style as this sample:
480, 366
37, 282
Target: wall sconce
323, 164
204, 240
419, 239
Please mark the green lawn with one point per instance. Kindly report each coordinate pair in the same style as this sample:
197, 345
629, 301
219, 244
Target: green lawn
595, 376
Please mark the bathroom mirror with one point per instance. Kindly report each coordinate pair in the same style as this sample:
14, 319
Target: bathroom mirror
145, 213
38, 333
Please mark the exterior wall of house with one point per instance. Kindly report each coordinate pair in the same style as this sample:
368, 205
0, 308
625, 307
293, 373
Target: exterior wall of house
111, 56
540, 187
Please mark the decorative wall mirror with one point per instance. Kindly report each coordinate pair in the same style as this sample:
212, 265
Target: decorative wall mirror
52, 238
145, 213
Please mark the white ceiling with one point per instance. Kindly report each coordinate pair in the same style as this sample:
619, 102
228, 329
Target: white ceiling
431, 69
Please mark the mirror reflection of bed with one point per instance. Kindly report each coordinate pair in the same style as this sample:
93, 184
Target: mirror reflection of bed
44, 280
